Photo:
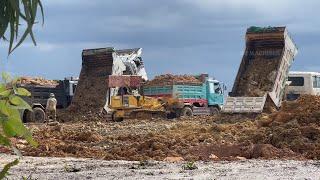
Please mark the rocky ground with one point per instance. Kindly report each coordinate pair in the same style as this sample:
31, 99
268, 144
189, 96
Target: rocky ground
71, 168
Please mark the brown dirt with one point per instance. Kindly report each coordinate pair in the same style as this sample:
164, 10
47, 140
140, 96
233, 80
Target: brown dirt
169, 79
292, 133
259, 72
38, 81
90, 95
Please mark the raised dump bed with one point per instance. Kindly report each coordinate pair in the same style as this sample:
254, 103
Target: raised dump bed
263, 70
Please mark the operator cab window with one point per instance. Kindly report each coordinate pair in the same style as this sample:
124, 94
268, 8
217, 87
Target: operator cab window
296, 81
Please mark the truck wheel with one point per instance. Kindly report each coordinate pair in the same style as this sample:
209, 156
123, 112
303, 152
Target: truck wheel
214, 111
28, 117
39, 115
187, 111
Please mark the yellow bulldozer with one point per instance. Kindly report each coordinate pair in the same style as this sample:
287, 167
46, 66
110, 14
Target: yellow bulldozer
130, 103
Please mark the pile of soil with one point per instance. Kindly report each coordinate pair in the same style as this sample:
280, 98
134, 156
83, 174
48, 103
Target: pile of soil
259, 70
91, 92
292, 133
170, 79
37, 81
296, 127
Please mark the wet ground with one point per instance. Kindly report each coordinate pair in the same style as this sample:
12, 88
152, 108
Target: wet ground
72, 168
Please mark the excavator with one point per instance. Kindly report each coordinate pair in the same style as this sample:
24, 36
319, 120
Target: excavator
128, 103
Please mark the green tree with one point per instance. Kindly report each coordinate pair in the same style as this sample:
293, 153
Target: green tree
13, 15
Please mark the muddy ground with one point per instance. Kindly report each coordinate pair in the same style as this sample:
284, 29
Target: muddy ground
71, 168
292, 133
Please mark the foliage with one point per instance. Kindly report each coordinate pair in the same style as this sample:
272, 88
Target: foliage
12, 12
6, 168
189, 166
11, 124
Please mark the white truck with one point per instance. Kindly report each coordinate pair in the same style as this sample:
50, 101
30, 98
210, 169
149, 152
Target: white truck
263, 71
302, 83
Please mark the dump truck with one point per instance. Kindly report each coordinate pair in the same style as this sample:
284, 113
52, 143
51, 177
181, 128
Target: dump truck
200, 95
263, 71
92, 95
63, 90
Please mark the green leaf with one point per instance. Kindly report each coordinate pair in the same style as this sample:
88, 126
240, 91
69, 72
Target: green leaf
19, 103
7, 167
4, 141
5, 76
22, 92
2, 87
4, 109
6, 93
13, 126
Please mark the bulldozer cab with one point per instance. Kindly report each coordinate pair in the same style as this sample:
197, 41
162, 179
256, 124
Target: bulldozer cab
128, 96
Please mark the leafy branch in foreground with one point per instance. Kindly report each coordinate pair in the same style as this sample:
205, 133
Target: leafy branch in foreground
12, 12
11, 124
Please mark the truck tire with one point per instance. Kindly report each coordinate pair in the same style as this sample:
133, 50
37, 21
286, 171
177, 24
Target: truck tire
39, 115
214, 111
186, 111
28, 117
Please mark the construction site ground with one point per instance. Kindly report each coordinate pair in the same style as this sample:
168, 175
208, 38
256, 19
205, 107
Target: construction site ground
293, 133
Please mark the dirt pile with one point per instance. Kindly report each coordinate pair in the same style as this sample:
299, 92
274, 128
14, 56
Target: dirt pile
260, 72
38, 81
91, 92
292, 133
296, 127
170, 79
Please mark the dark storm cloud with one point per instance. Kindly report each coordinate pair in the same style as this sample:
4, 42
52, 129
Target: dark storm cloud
178, 36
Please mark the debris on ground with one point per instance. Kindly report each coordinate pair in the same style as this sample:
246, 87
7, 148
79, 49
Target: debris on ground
291, 133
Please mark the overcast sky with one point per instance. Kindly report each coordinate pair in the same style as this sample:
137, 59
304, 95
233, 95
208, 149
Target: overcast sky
177, 36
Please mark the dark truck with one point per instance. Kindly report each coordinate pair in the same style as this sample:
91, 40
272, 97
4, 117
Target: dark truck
64, 91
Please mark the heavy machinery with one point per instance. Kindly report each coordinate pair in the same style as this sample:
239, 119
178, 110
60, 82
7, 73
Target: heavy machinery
63, 90
263, 72
202, 97
91, 95
129, 104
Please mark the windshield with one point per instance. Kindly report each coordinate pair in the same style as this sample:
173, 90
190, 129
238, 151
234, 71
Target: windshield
296, 81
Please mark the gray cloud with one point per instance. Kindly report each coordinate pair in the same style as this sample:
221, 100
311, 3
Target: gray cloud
178, 36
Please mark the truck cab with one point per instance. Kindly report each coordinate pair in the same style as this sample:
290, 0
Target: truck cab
302, 83
215, 92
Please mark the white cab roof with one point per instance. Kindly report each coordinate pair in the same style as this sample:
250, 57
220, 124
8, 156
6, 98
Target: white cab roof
303, 73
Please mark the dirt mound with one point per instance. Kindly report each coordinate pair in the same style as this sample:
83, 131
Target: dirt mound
292, 133
38, 81
296, 127
259, 69
170, 79
91, 92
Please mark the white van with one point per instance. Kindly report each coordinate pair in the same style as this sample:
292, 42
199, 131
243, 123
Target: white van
302, 83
